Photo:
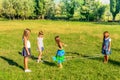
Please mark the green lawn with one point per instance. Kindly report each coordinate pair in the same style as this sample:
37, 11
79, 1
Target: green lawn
84, 60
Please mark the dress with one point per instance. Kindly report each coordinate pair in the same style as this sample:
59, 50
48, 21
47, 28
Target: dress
105, 46
40, 44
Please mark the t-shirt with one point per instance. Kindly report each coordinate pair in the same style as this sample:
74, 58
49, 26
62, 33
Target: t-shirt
40, 42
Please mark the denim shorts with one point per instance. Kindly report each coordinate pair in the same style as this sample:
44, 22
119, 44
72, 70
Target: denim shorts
41, 49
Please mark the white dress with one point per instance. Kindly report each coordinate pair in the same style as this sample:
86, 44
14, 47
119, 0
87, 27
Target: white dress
40, 43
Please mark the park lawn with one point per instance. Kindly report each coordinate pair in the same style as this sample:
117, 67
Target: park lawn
84, 60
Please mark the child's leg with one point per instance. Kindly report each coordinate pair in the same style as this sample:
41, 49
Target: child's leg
107, 57
60, 65
40, 56
104, 58
26, 63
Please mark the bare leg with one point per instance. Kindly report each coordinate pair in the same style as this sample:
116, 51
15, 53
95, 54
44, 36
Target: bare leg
40, 56
26, 63
107, 58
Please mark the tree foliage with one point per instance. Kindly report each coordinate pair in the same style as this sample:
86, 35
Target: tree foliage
114, 8
17, 9
90, 10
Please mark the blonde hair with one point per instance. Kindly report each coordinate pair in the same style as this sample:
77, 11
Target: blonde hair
26, 33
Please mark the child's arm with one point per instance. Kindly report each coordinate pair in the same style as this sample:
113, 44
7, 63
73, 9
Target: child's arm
25, 45
109, 47
38, 44
64, 44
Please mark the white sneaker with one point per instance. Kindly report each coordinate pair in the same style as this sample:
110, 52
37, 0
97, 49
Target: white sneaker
41, 61
27, 70
38, 61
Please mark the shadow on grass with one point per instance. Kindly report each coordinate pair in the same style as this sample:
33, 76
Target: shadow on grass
20, 53
49, 63
11, 62
114, 49
100, 59
107, 23
32, 56
76, 53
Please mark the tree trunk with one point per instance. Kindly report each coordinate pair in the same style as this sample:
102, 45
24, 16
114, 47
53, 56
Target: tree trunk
42, 16
114, 15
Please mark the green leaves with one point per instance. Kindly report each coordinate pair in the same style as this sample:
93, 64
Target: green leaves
17, 9
114, 7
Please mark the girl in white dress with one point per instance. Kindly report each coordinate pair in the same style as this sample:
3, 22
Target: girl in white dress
40, 45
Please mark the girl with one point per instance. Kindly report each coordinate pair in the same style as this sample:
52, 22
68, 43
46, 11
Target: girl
26, 49
106, 46
60, 53
40, 45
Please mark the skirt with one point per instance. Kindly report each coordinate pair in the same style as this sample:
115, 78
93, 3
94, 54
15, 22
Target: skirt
24, 52
59, 56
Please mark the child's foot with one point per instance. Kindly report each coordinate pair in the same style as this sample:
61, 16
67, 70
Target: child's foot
105, 62
27, 70
60, 67
39, 61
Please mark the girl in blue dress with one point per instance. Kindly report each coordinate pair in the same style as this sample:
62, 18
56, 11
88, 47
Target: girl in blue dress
106, 46
60, 52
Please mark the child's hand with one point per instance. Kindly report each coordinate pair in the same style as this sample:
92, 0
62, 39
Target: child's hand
28, 54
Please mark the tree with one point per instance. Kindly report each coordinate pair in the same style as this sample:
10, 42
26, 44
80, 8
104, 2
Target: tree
8, 11
92, 10
101, 11
40, 8
69, 7
16, 8
114, 8
49, 9
87, 9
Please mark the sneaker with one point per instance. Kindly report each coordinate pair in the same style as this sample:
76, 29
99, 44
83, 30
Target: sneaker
27, 70
41, 61
38, 61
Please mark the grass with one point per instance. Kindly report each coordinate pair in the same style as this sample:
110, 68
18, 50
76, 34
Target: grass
84, 60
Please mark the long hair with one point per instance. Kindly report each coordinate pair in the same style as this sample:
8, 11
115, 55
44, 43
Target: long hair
106, 32
57, 39
26, 33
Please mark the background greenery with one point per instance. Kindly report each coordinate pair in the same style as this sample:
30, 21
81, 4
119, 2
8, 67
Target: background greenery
81, 10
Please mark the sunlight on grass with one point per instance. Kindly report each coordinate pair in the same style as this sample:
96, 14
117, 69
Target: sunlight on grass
84, 60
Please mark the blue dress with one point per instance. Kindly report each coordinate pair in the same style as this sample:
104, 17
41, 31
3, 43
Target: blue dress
105, 46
